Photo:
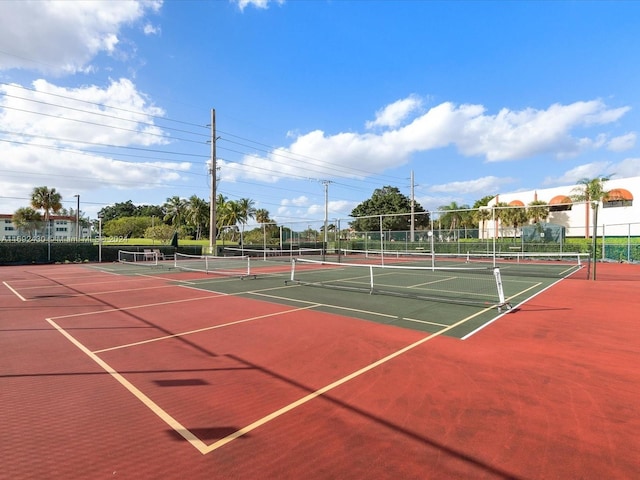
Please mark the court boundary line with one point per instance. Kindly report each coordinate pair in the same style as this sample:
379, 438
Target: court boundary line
321, 391
470, 334
203, 329
136, 392
193, 440
15, 292
134, 307
348, 309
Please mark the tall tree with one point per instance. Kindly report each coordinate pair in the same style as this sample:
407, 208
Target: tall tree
247, 209
262, 216
27, 219
455, 216
197, 214
538, 210
592, 192
117, 210
393, 206
514, 217
47, 200
176, 210
482, 213
501, 214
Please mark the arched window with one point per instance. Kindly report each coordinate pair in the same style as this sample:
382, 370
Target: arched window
618, 197
560, 203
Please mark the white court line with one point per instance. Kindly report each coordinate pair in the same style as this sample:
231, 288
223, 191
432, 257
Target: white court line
331, 386
348, 309
190, 437
79, 283
204, 329
134, 307
521, 303
154, 407
14, 292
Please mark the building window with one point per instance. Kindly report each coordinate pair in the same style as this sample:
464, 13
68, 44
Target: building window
560, 203
618, 197
616, 203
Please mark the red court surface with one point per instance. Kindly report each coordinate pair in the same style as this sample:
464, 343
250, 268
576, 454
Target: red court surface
107, 376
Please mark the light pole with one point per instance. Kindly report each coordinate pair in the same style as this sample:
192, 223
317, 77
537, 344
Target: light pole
99, 238
77, 218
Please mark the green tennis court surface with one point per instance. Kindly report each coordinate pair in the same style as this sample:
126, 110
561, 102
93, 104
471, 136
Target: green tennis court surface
454, 295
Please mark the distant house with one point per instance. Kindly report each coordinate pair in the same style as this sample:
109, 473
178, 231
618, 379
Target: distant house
59, 228
618, 215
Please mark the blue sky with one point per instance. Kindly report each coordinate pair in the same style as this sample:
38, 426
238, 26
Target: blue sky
111, 100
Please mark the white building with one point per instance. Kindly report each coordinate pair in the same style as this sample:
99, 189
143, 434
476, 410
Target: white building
617, 214
61, 228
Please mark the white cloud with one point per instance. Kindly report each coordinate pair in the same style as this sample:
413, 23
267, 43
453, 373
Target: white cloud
484, 186
588, 170
507, 135
150, 29
261, 4
69, 34
629, 167
115, 115
511, 135
394, 114
622, 143
54, 135
298, 202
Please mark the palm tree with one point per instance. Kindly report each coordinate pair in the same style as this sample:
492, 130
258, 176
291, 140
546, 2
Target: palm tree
537, 211
48, 200
197, 214
247, 211
262, 216
592, 192
514, 216
27, 218
176, 211
482, 213
501, 215
453, 216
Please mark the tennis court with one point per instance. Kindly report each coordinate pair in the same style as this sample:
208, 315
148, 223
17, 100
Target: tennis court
268, 368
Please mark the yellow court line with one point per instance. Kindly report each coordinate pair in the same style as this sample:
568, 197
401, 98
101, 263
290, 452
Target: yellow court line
331, 386
154, 407
204, 329
14, 292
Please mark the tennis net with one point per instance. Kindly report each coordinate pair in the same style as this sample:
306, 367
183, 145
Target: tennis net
239, 266
477, 286
145, 258
517, 263
525, 264
274, 254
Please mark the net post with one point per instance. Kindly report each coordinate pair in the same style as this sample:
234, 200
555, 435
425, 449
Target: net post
370, 279
501, 297
293, 269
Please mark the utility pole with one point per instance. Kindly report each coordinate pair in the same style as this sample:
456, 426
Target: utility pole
78, 218
212, 171
413, 211
326, 211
